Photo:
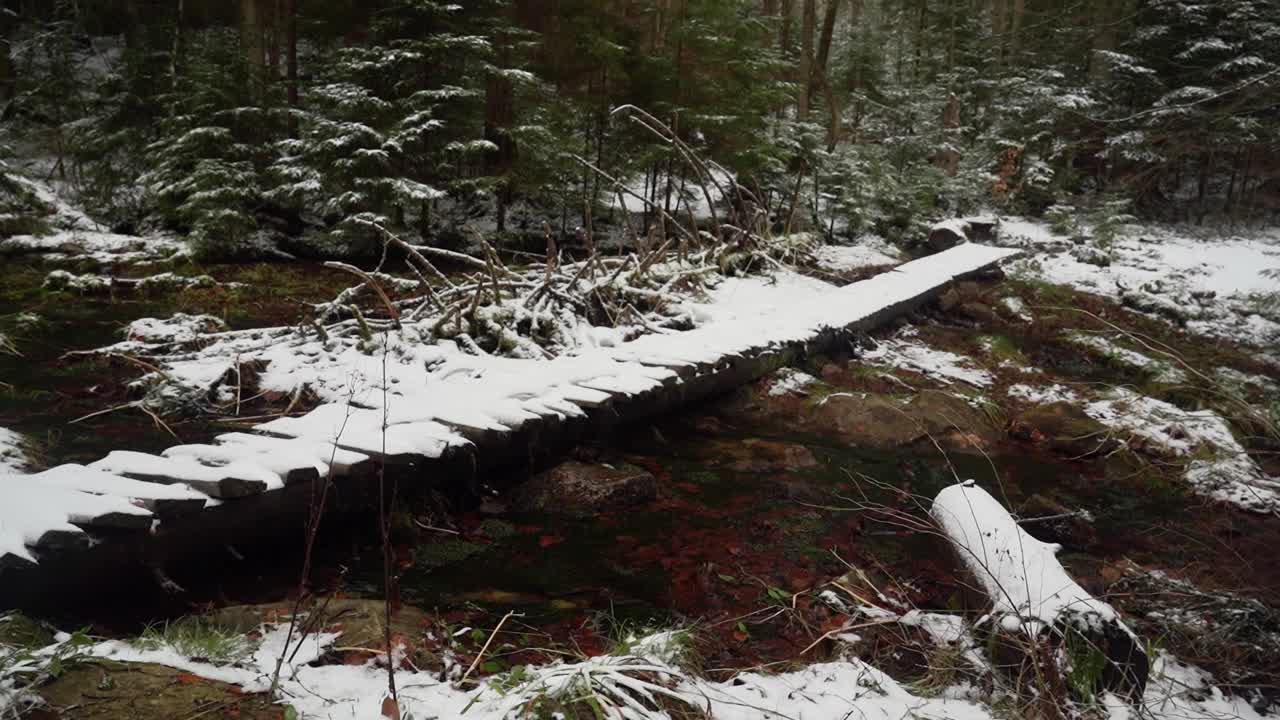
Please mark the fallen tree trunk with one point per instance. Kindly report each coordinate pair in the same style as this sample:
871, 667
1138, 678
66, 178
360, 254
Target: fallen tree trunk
1045, 628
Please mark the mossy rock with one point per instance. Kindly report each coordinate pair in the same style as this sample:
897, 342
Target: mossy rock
360, 622
495, 529
106, 690
886, 422
582, 490
1066, 429
440, 552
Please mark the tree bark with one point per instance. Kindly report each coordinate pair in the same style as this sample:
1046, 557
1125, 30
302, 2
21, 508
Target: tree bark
251, 41
291, 62
784, 28
272, 28
809, 18
175, 61
996, 9
1015, 27
828, 29
8, 71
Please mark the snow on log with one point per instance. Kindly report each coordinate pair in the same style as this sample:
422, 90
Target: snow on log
163, 500
47, 517
1032, 596
328, 458
233, 480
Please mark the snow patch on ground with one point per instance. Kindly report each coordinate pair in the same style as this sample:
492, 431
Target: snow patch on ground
13, 453
179, 328
1176, 690
1160, 371
824, 690
1042, 394
76, 236
870, 251
1217, 285
789, 381
1218, 465
1017, 307
906, 350
103, 247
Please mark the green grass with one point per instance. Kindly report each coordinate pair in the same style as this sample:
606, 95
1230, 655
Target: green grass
196, 638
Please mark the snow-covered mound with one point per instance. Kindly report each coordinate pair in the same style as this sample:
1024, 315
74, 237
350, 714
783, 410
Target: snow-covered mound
1222, 287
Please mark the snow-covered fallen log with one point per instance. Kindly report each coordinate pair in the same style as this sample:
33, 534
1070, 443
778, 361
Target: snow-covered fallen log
1034, 604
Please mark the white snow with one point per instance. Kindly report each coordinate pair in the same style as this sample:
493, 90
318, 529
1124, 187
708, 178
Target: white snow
184, 468
91, 480
789, 381
103, 247
1218, 465
13, 454
1027, 585
1042, 394
906, 350
1215, 282
181, 327
959, 226
817, 692
77, 236
428, 386
868, 251
1176, 690
30, 509
625, 686
1164, 371
1018, 307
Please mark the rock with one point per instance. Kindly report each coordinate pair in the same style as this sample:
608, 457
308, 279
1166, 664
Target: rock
948, 300
831, 372
982, 229
1066, 429
360, 622
979, 313
108, 690
1178, 312
770, 455
581, 490
708, 424
948, 234
885, 422
1090, 255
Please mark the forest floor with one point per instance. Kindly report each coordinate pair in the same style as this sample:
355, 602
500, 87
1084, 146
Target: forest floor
1122, 405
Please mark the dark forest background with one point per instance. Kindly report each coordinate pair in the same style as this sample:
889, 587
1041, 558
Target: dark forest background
265, 126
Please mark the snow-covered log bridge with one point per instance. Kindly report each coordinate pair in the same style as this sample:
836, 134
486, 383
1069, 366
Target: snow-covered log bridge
73, 524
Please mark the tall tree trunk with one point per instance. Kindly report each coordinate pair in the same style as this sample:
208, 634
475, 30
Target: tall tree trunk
498, 116
784, 28
1015, 27
251, 42
996, 9
919, 41
949, 160
769, 11
809, 18
291, 62
8, 71
828, 29
273, 34
820, 72
175, 60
